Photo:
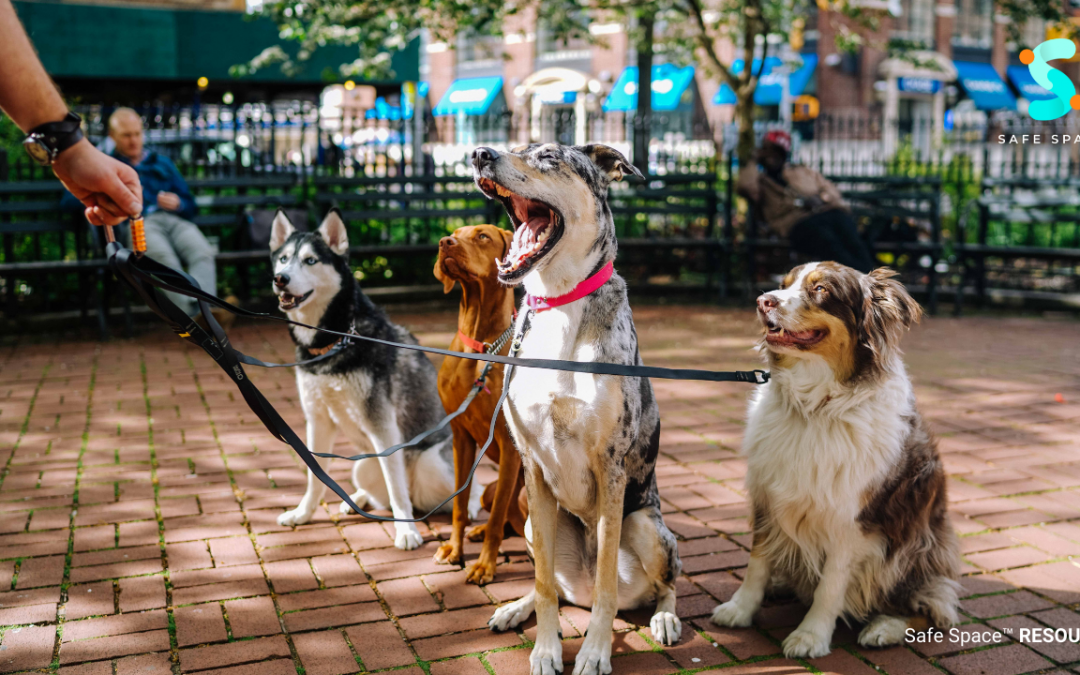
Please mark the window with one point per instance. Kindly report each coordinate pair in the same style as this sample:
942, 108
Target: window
974, 24
1033, 33
476, 48
551, 48
915, 22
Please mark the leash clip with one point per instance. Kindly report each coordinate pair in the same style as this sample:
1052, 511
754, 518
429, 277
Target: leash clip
761, 376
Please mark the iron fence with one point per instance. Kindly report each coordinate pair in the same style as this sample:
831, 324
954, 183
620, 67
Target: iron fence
375, 152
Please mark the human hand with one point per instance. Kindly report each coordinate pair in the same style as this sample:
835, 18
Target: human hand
109, 189
168, 201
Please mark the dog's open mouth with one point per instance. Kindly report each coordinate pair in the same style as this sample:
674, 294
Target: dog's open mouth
288, 301
537, 228
777, 335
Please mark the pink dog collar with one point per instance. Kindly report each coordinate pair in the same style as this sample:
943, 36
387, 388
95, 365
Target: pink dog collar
586, 287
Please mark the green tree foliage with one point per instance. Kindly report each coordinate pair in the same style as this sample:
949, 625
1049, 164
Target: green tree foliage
687, 31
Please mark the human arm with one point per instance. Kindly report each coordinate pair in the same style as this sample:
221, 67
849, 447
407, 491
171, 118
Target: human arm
178, 187
747, 186
108, 189
828, 192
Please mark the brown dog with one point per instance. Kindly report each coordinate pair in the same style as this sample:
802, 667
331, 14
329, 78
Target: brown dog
486, 311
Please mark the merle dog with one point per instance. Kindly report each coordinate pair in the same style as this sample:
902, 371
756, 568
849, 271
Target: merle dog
373, 394
588, 442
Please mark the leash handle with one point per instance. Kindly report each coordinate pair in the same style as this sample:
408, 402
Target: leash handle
138, 235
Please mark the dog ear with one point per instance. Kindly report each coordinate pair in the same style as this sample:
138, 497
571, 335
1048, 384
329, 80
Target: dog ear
447, 282
611, 161
333, 232
508, 238
280, 231
888, 310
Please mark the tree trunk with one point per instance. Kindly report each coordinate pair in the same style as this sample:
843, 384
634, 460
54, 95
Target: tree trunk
643, 118
744, 115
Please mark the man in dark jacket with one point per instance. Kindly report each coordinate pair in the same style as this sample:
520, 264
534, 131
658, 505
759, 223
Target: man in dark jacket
171, 238
800, 204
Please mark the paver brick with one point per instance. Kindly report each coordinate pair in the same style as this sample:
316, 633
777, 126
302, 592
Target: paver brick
36, 572
188, 556
325, 653
199, 624
233, 653
326, 598
16, 616
273, 667
115, 570
1007, 660
144, 664
341, 615
380, 645
338, 570
291, 575
222, 591
138, 593
407, 596
458, 644
28, 647
113, 646
120, 624
467, 666
233, 551
252, 616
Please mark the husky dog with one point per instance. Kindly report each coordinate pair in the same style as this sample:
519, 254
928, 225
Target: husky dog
847, 487
588, 442
373, 394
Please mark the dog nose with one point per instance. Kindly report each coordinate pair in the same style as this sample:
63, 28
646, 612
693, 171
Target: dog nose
767, 302
446, 242
281, 280
481, 157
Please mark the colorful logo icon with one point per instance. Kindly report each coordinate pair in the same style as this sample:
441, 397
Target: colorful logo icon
1051, 79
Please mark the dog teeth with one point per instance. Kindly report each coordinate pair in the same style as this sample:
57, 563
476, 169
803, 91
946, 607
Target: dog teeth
544, 235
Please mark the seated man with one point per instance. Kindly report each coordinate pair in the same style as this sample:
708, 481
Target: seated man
798, 203
171, 239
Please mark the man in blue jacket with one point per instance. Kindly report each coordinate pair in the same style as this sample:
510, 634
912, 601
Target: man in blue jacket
171, 238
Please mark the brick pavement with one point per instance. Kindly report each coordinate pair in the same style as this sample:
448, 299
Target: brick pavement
139, 499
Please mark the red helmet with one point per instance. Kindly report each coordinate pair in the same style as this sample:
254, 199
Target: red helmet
779, 137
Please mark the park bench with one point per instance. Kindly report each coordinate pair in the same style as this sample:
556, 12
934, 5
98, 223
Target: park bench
1025, 239
667, 224
44, 246
899, 217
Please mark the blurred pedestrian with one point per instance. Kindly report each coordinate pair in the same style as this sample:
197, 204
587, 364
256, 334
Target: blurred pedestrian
798, 203
108, 190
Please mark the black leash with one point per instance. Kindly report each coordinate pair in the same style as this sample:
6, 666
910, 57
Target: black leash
148, 278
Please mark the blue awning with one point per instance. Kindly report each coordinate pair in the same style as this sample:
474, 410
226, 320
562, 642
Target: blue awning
770, 87
1021, 78
668, 84
985, 87
469, 96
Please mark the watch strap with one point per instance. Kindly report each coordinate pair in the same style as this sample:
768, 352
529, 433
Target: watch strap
59, 136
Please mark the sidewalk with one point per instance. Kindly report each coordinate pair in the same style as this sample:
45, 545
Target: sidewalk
138, 531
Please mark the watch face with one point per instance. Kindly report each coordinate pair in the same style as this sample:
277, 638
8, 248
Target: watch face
38, 151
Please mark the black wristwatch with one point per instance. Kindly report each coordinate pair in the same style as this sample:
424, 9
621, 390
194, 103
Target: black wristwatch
44, 143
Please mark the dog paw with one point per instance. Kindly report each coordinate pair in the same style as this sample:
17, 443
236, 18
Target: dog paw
666, 628
594, 658
805, 644
408, 538
510, 615
360, 498
297, 516
448, 554
883, 631
732, 615
477, 533
546, 659
480, 573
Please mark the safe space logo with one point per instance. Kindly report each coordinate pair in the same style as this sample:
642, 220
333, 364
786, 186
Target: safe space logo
1051, 79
